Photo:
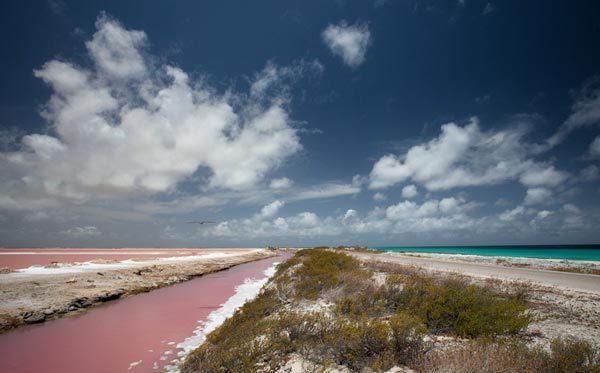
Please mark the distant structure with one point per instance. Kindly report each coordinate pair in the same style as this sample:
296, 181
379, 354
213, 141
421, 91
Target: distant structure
202, 222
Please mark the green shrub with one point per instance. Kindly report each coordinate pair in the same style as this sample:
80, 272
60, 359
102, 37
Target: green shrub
323, 270
406, 337
455, 305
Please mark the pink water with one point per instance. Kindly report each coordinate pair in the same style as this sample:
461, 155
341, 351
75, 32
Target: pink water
111, 337
23, 258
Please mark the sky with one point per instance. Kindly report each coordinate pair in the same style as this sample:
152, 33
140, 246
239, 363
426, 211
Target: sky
299, 123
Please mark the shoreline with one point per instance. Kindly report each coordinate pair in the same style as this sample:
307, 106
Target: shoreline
29, 298
17, 259
543, 275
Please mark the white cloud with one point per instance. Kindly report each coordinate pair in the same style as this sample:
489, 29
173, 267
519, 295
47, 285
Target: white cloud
117, 51
281, 183
585, 111
350, 42
88, 230
537, 175
326, 190
349, 215
466, 156
379, 197
447, 217
128, 126
510, 215
537, 195
409, 191
544, 214
271, 209
595, 147
447, 214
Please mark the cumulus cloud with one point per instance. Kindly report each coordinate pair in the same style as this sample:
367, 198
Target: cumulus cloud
281, 183
117, 52
536, 196
127, 126
379, 197
431, 216
409, 191
271, 209
350, 42
466, 156
510, 215
538, 175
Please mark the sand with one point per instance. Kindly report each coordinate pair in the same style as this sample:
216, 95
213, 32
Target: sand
564, 280
38, 294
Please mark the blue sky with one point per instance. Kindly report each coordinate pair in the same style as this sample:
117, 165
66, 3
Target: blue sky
299, 123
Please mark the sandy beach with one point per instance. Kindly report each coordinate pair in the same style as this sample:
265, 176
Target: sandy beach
486, 268
39, 293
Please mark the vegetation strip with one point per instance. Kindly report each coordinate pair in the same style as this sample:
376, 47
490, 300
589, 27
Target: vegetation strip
326, 309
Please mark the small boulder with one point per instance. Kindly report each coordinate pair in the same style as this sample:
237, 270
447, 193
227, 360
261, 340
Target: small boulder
49, 311
109, 295
79, 303
33, 317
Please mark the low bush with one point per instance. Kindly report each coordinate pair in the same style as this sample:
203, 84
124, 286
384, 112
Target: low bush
324, 269
454, 305
483, 355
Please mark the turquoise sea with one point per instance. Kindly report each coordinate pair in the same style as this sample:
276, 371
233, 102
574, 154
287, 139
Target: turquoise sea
570, 252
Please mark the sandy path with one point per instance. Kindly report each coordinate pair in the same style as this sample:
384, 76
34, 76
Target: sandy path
571, 281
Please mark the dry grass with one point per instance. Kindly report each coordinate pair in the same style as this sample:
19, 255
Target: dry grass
513, 355
584, 270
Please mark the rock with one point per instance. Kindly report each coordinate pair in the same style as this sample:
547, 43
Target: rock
79, 303
5, 270
108, 296
72, 280
49, 311
34, 317
100, 273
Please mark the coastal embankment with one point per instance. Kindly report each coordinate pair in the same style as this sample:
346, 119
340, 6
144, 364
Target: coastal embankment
148, 332
326, 310
40, 293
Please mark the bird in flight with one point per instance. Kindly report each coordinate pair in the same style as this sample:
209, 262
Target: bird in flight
201, 222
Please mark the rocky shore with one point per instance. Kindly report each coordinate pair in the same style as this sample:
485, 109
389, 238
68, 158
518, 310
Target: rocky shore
31, 297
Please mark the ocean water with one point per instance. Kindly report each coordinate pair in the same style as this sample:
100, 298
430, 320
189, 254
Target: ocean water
569, 252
